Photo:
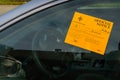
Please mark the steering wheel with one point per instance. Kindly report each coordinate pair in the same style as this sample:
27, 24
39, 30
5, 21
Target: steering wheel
48, 40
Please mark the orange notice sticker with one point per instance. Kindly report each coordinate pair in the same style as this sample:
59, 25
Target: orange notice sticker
89, 33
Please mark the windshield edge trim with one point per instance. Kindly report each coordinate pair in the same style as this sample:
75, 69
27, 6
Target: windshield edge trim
30, 12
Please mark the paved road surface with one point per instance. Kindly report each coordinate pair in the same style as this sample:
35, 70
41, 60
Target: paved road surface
6, 8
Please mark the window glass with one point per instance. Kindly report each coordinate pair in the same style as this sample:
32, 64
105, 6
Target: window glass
47, 29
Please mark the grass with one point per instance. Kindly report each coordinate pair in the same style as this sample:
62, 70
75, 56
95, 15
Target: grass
11, 2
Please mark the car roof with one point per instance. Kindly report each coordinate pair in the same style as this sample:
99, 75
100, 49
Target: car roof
25, 8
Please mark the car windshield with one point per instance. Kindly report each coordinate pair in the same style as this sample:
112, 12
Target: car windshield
47, 29
59, 42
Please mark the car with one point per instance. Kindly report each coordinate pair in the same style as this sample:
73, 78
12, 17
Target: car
61, 39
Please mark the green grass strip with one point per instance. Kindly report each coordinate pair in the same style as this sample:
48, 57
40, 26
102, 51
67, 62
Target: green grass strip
10, 2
